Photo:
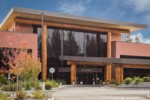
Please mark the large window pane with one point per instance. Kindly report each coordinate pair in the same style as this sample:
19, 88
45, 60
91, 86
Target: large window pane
73, 43
91, 45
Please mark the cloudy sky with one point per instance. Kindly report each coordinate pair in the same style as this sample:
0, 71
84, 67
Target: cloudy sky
137, 11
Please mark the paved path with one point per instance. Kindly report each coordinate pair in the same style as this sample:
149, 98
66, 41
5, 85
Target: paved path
99, 93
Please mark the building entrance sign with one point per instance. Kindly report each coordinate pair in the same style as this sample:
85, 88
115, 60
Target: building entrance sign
52, 70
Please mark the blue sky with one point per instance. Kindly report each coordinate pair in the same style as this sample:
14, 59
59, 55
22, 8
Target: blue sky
137, 11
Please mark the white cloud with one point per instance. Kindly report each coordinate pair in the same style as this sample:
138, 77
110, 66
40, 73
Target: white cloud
142, 39
139, 5
74, 7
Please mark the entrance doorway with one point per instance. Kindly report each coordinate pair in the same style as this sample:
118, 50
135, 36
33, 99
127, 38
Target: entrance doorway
90, 75
89, 78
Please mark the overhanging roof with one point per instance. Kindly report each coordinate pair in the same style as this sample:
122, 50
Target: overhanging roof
106, 60
67, 18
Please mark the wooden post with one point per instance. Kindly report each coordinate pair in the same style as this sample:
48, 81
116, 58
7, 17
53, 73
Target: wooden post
73, 74
119, 74
109, 45
108, 73
44, 53
108, 66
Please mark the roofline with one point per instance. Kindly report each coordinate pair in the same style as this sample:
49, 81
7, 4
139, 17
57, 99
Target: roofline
9, 13
72, 17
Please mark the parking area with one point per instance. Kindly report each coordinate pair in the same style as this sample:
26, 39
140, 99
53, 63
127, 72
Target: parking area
99, 93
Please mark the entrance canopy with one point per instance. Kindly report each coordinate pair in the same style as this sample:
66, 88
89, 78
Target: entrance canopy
103, 60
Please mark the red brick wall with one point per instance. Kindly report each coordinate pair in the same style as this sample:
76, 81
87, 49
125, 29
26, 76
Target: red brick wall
24, 28
133, 49
14, 39
116, 37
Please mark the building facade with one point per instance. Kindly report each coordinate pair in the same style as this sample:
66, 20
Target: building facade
82, 50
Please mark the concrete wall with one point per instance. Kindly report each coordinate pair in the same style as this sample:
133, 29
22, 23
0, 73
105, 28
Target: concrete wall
16, 40
133, 49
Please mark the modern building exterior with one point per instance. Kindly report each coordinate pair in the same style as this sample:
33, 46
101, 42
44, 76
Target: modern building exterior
82, 50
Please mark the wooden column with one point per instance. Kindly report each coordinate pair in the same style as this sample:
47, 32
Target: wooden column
109, 45
44, 53
119, 74
73, 74
108, 73
108, 66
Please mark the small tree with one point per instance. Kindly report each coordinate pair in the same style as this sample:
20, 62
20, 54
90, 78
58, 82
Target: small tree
137, 40
20, 61
128, 38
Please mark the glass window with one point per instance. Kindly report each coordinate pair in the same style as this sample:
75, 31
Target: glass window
73, 43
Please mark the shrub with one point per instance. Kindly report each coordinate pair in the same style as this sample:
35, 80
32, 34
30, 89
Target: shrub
137, 80
28, 86
4, 96
38, 95
52, 83
12, 87
34, 83
112, 81
128, 80
146, 79
21, 95
3, 80
48, 86
38, 87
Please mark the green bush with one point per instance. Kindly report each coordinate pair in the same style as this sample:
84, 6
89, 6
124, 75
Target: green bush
48, 86
4, 96
137, 80
12, 87
21, 95
38, 87
3, 80
39, 95
146, 79
28, 86
128, 80
52, 83
34, 83
112, 81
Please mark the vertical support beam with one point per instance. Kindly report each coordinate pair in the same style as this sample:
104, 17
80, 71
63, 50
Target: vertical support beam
73, 74
44, 52
119, 74
108, 66
108, 73
109, 45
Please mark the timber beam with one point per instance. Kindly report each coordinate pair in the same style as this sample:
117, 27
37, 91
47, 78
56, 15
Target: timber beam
71, 26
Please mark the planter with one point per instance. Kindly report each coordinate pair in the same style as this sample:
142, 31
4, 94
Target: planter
42, 84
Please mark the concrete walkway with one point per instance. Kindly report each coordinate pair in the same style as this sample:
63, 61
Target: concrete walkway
99, 93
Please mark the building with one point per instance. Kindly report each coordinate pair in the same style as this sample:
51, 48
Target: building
82, 50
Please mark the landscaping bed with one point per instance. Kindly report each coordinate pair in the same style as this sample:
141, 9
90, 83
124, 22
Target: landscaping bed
132, 85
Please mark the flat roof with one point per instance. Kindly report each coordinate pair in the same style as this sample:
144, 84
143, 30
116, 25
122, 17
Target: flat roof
68, 19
